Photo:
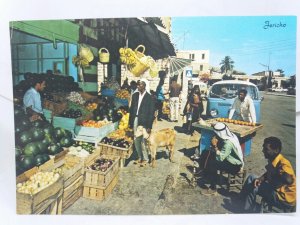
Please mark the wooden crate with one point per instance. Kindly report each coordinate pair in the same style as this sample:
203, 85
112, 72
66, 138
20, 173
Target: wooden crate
46, 201
123, 153
98, 178
72, 198
25, 175
72, 174
99, 193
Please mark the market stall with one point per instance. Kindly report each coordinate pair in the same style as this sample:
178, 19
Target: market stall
244, 131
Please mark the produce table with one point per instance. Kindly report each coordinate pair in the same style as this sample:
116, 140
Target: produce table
243, 132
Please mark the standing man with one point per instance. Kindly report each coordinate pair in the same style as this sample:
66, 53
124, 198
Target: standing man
175, 90
243, 107
141, 118
32, 99
277, 186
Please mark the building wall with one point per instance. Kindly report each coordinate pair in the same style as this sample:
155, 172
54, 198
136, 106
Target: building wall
200, 64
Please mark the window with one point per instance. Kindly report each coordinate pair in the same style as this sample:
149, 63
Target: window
203, 56
201, 67
231, 90
192, 56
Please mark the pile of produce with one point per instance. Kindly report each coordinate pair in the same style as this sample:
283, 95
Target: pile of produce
121, 142
107, 111
76, 98
123, 94
121, 134
93, 123
80, 109
124, 122
71, 113
238, 122
36, 140
81, 149
37, 182
91, 106
54, 83
101, 164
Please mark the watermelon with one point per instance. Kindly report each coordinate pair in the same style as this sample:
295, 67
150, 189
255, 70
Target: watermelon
48, 129
27, 162
19, 111
45, 157
24, 138
38, 134
38, 160
66, 142
43, 147
53, 149
32, 149
18, 151
59, 133
49, 140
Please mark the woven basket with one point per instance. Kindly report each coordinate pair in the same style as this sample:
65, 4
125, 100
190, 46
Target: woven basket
138, 68
103, 55
86, 53
138, 53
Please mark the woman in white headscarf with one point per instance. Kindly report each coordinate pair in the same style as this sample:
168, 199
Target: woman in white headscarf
226, 155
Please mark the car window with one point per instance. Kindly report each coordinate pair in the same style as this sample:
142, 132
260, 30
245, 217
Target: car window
231, 90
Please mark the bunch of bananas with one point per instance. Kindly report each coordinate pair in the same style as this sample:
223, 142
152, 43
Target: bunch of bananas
127, 56
124, 122
122, 94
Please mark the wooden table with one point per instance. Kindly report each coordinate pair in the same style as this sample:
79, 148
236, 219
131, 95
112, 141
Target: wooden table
243, 132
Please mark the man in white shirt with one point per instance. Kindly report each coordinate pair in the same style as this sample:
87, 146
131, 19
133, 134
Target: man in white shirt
243, 108
32, 99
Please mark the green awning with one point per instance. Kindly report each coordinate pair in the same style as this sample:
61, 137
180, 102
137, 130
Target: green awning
53, 30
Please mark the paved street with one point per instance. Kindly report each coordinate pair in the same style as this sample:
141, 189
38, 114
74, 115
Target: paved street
166, 189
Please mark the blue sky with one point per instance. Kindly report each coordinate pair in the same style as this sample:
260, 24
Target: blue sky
249, 40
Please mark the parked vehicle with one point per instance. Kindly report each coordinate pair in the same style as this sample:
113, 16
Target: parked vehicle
222, 93
202, 86
291, 91
279, 89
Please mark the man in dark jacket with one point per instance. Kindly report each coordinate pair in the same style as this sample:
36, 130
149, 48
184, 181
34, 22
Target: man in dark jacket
141, 118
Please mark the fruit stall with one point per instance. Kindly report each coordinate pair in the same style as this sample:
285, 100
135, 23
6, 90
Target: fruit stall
245, 132
77, 152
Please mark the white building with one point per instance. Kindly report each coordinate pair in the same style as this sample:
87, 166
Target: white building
200, 63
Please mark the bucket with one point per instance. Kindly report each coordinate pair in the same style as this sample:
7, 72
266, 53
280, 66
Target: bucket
103, 55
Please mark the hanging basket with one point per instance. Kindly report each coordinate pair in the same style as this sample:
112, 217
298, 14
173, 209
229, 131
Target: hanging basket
140, 53
86, 53
138, 68
103, 55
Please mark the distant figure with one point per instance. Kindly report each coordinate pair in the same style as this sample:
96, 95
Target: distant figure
193, 108
277, 185
125, 84
243, 108
174, 91
160, 98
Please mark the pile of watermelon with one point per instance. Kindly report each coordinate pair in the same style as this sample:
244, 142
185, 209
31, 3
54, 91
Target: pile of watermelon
35, 141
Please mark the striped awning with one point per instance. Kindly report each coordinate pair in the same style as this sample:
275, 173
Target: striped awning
177, 65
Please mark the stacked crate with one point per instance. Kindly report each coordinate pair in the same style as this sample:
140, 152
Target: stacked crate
46, 201
123, 153
73, 180
99, 185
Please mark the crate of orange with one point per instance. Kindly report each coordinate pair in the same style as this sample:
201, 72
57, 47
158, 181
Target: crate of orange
93, 129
